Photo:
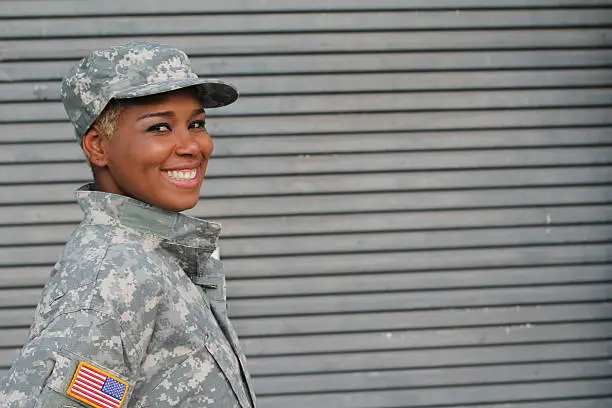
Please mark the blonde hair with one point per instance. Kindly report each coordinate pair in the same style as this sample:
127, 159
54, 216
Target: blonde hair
108, 119
107, 124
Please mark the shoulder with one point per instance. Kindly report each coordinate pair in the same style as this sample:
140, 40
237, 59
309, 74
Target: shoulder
107, 269
122, 275
131, 277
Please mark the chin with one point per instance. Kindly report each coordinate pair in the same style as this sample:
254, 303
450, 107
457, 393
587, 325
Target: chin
179, 205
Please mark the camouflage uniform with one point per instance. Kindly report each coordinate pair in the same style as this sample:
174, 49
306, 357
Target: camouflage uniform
137, 295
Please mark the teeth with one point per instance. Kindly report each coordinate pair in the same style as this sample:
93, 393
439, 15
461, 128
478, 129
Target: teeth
182, 174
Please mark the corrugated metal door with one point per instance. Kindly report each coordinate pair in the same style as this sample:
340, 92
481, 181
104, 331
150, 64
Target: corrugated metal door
415, 194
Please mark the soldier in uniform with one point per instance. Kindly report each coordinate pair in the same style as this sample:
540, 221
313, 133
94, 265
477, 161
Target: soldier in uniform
134, 312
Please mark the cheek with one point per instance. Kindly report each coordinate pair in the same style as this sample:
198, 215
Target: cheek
151, 152
207, 146
156, 151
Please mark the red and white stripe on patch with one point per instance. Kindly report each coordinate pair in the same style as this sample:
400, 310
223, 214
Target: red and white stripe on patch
96, 387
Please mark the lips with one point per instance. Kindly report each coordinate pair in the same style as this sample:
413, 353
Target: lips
184, 178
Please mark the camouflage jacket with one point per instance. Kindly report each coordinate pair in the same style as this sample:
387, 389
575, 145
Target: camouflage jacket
137, 300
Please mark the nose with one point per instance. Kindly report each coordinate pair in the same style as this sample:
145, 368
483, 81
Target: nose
188, 144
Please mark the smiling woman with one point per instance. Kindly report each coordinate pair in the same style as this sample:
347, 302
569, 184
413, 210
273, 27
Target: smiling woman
134, 313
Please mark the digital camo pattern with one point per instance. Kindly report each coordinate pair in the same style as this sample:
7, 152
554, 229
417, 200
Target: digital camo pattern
133, 70
135, 293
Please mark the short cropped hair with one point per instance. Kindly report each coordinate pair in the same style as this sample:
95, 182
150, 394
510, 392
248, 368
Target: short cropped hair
109, 118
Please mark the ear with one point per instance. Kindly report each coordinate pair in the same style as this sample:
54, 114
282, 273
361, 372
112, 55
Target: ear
95, 146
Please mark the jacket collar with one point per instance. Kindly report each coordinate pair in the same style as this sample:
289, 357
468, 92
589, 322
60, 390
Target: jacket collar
117, 210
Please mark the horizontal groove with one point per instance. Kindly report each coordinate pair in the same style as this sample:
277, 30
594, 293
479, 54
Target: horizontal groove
416, 150
409, 271
195, 54
356, 30
124, 13
431, 250
587, 66
438, 289
443, 386
20, 307
498, 325
435, 348
487, 227
418, 309
452, 50
442, 366
473, 189
382, 91
17, 327
509, 404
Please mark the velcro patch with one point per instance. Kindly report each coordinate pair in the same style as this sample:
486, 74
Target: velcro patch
96, 387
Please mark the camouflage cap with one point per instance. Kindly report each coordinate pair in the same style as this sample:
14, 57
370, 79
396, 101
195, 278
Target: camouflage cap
133, 70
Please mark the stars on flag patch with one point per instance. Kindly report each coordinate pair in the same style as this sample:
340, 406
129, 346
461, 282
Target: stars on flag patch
96, 387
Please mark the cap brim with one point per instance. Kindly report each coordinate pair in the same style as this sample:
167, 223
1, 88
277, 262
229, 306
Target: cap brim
212, 92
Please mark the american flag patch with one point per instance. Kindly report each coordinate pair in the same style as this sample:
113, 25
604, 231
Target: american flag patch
96, 387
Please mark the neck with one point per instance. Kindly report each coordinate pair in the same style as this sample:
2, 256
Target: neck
104, 182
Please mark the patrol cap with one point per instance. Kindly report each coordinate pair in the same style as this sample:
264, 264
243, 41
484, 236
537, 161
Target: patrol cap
133, 70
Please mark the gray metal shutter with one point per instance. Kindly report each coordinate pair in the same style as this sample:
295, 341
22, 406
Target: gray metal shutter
415, 193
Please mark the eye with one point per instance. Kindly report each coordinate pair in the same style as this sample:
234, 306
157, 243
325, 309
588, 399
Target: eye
198, 124
159, 128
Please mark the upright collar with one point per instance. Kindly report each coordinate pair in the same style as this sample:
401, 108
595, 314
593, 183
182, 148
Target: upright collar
117, 210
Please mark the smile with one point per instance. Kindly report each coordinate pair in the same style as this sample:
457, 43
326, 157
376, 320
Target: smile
182, 175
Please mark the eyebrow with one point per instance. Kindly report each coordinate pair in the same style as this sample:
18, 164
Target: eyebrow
168, 114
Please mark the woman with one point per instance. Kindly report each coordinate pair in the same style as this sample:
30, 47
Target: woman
134, 312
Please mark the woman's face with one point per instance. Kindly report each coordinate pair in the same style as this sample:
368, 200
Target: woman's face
159, 152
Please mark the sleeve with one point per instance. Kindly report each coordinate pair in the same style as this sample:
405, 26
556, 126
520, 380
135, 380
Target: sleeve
43, 374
